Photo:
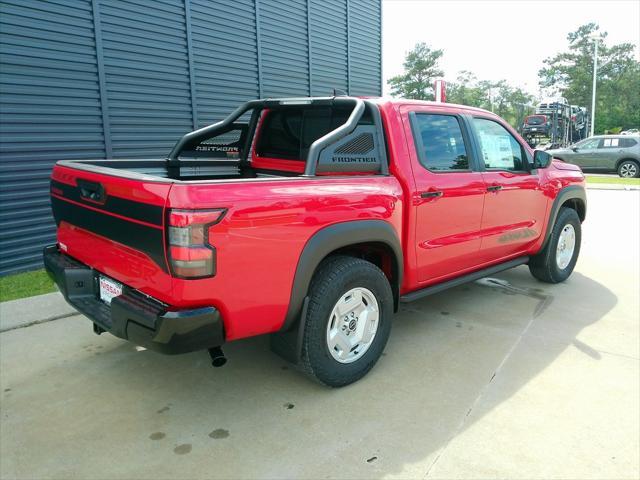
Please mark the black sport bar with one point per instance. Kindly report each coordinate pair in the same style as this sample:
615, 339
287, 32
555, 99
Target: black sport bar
197, 136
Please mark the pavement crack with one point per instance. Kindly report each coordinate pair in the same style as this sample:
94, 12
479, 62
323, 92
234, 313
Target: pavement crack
38, 322
480, 395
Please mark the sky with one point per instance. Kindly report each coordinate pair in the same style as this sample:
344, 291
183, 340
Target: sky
498, 39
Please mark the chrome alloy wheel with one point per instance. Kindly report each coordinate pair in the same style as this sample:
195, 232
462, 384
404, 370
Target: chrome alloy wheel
566, 246
628, 170
352, 325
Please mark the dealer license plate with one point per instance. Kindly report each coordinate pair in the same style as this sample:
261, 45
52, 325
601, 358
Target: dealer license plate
109, 289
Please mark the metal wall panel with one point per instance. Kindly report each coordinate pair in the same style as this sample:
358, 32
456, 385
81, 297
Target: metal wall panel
49, 110
147, 75
126, 78
225, 56
328, 46
285, 56
365, 75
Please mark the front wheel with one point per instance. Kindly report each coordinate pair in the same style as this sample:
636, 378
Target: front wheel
348, 320
628, 169
557, 260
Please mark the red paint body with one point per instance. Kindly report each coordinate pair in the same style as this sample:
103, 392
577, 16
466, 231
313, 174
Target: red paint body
269, 220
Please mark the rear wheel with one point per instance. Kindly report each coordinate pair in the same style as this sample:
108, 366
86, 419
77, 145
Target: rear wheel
628, 169
348, 320
557, 260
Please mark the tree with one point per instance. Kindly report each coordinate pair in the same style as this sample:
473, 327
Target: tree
511, 103
467, 91
420, 70
618, 81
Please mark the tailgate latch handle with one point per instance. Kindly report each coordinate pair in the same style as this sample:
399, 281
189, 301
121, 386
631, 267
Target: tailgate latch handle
92, 191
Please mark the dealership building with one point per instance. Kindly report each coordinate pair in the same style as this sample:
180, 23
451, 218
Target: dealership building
126, 78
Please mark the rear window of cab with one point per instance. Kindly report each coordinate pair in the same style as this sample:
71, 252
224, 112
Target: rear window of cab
287, 134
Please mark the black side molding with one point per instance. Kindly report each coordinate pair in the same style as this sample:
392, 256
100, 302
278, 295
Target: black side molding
470, 277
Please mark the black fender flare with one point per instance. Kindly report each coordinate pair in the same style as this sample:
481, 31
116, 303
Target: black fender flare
330, 239
571, 192
288, 341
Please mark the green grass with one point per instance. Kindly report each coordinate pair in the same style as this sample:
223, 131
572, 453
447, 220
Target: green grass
23, 285
614, 180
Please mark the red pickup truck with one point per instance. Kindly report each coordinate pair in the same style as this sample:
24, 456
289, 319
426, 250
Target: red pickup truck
309, 219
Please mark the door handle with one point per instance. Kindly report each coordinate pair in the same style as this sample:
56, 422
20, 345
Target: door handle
494, 188
431, 194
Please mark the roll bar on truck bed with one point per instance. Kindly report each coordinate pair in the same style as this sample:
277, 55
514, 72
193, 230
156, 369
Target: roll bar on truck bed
257, 106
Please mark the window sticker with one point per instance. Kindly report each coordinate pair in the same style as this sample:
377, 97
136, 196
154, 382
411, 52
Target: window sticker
497, 150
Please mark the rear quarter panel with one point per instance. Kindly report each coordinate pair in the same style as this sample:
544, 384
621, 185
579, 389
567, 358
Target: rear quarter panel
261, 237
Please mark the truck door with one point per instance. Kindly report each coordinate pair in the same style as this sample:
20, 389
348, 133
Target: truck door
448, 195
515, 206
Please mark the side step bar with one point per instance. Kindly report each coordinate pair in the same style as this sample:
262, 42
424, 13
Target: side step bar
470, 277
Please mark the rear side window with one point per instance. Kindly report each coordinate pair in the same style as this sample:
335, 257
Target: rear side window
611, 143
439, 142
499, 149
627, 142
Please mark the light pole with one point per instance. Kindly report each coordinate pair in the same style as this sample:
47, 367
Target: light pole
596, 39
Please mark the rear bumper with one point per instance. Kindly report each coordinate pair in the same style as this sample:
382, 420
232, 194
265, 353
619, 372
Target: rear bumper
134, 316
542, 129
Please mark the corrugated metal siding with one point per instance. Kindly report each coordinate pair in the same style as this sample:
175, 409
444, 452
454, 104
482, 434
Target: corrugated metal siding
123, 78
328, 46
285, 56
365, 47
147, 75
225, 56
49, 110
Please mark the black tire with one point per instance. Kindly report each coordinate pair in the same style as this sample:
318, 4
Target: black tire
629, 166
334, 278
544, 266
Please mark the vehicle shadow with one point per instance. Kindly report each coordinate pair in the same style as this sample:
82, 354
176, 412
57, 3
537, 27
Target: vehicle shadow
445, 354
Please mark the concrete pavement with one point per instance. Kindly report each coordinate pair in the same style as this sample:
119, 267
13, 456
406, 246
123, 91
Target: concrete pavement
25, 312
505, 377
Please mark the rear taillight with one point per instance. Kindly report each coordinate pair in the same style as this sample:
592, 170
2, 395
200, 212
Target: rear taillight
190, 253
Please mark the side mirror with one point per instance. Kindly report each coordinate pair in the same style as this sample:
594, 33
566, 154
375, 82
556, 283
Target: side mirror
541, 159
575, 149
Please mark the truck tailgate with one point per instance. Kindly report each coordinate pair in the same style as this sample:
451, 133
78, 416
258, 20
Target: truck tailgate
115, 225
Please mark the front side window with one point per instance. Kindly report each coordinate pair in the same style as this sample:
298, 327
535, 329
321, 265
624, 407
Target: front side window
439, 142
588, 144
499, 149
